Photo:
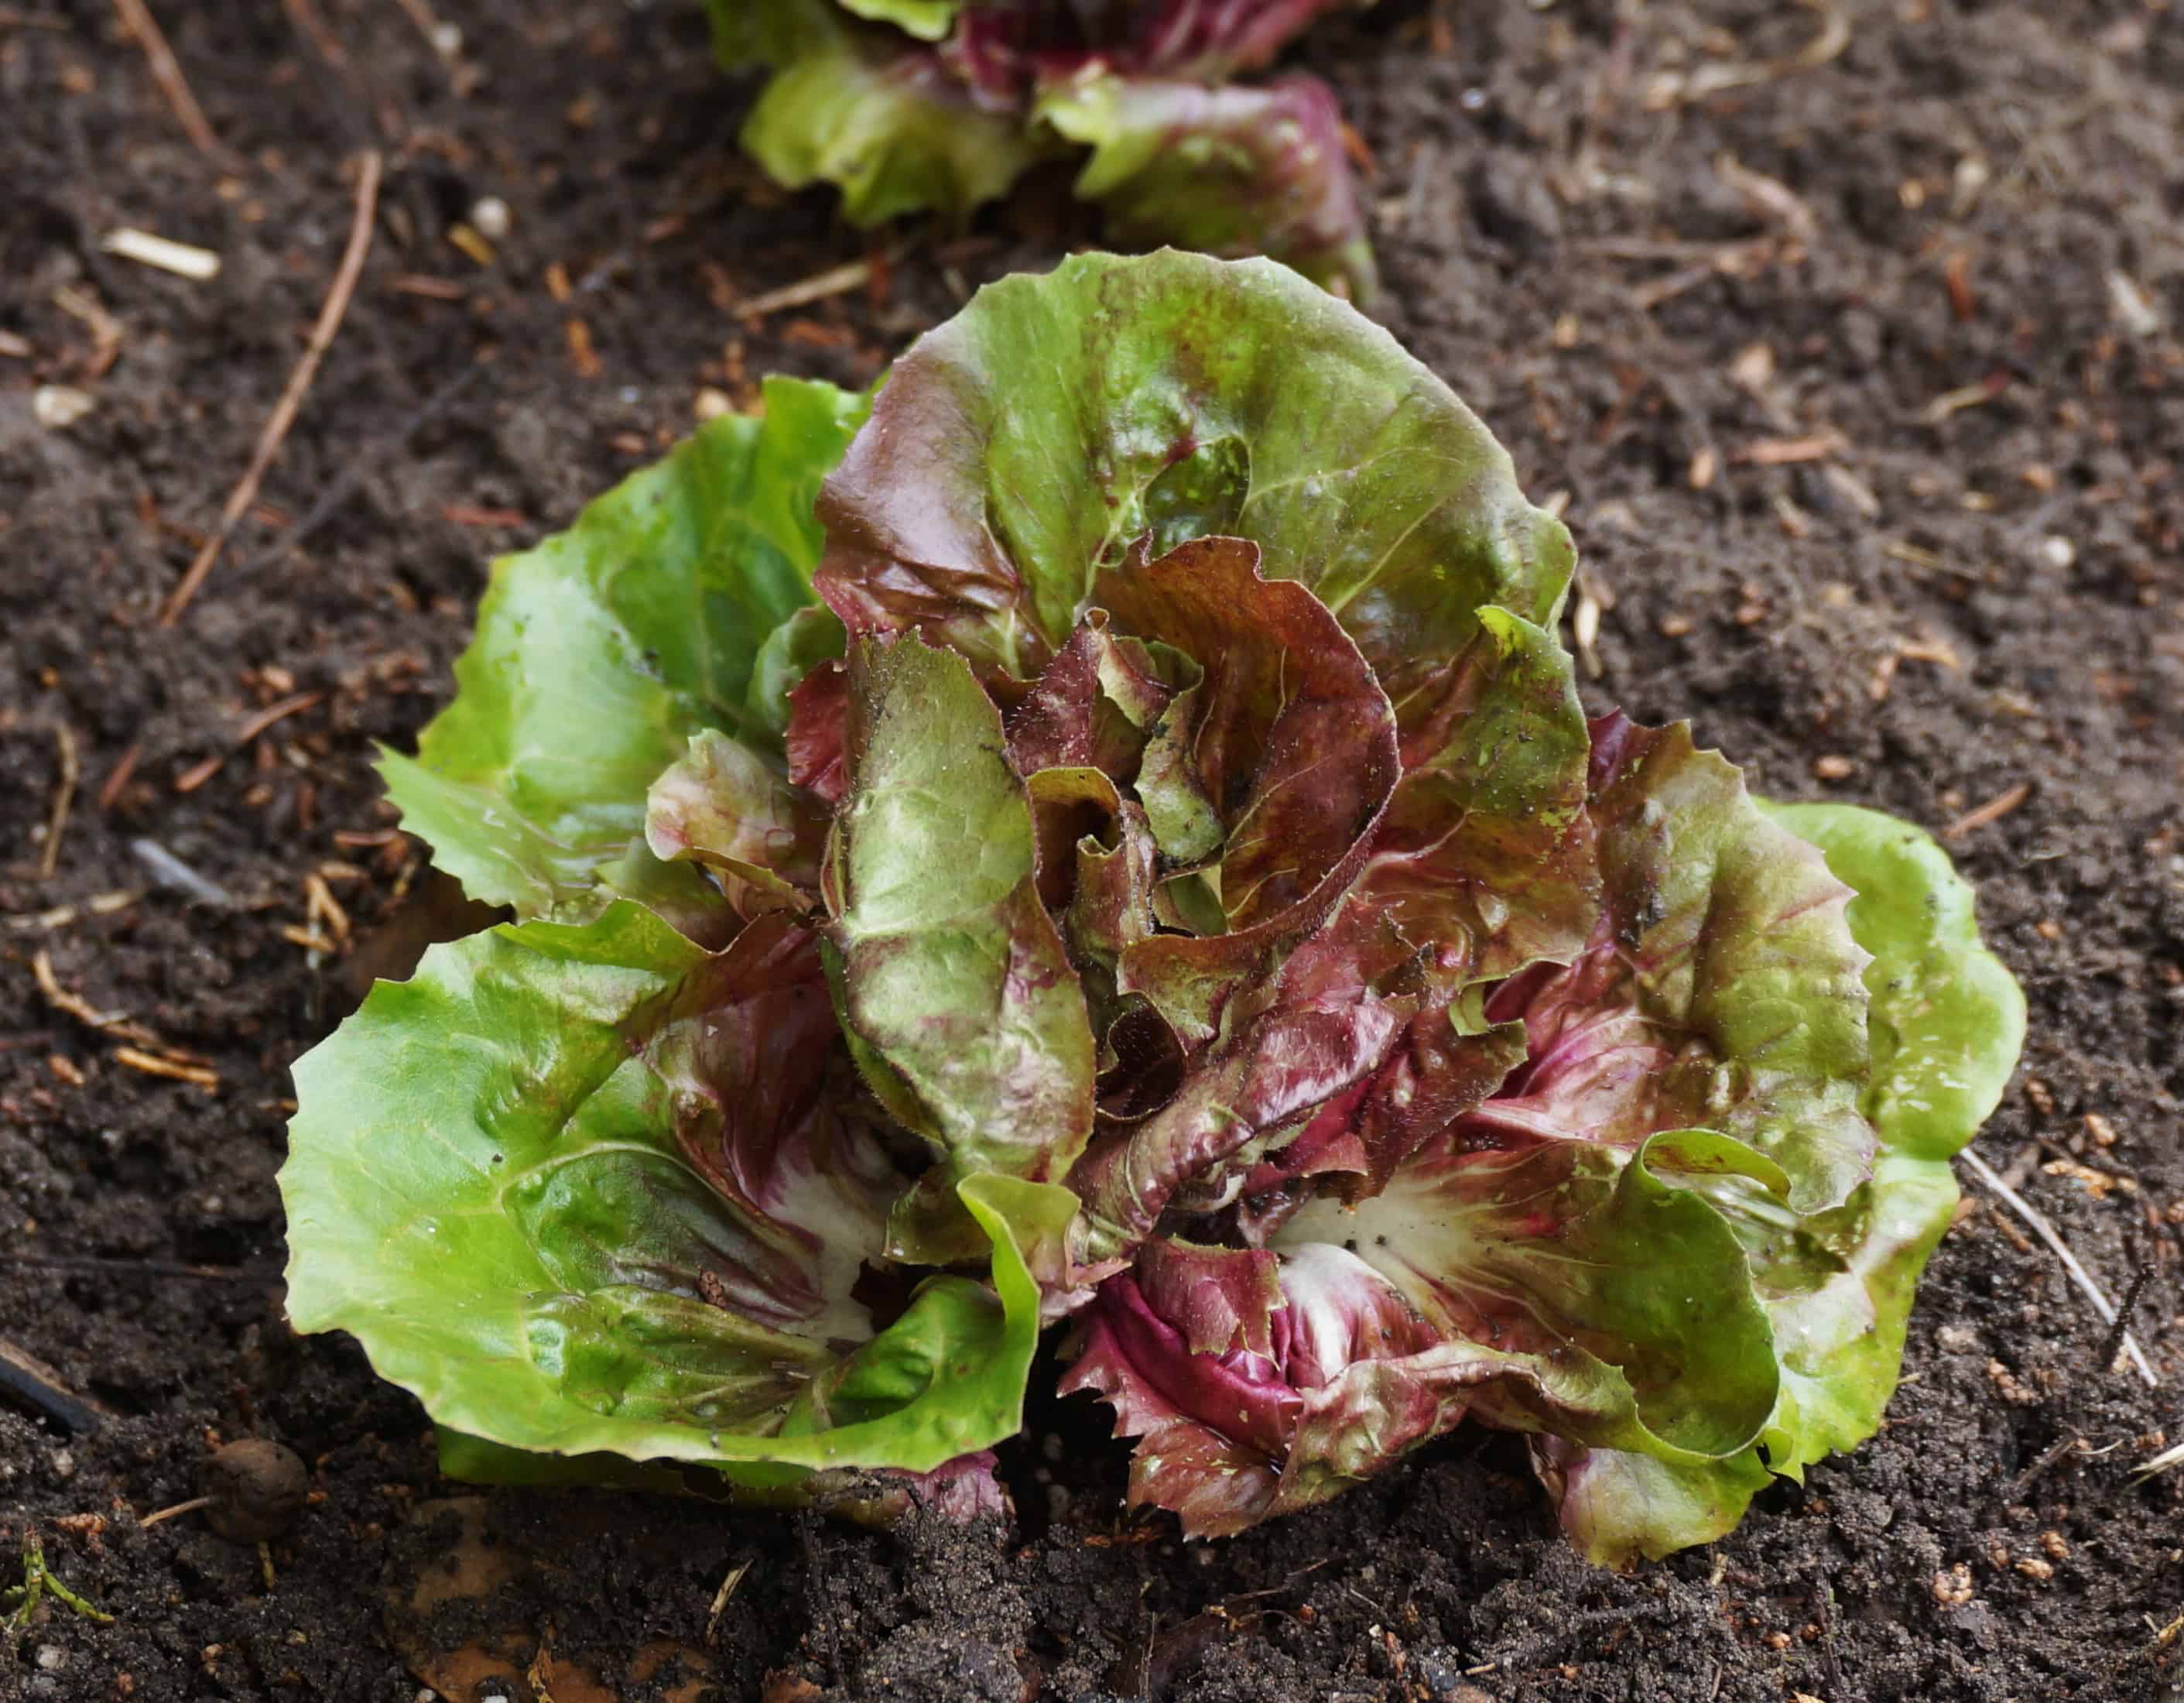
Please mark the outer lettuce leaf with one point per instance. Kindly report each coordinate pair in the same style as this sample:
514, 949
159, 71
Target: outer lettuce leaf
964, 1488
1188, 398
877, 113
1617, 1506
953, 980
578, 1189
1227, 169
1946, 1023
1722, 989
1947, 1017
1842, 1342
476, 1461
600, 651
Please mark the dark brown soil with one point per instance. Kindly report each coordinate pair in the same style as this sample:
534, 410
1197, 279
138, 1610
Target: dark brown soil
1980, 201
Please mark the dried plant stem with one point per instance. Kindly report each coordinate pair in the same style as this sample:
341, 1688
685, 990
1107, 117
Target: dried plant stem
299, 381
167, 72
64, 796
2036, 1221
188, 1507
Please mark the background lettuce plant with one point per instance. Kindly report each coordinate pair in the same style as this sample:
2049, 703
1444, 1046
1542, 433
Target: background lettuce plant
910, 104
1104, 830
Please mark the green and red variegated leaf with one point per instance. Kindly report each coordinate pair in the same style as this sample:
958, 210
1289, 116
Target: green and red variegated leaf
952, 981
1722, 988
1186, 399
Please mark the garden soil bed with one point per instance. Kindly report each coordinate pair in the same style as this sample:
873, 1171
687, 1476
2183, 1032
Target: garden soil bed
1849, 338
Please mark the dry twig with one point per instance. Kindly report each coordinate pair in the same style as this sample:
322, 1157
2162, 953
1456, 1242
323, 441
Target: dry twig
144, 1050
167, 72
106, 332
305, 16
1719, 77
1992, 811
360, 468
64, 796
833, 281
60, 916
151, 1064
179, 1508
720, 1600
299, 381
2036, 1221
75, 1004
204, 770
1782, 452
2017, 1484
118, 777
1769, 197
31, 1382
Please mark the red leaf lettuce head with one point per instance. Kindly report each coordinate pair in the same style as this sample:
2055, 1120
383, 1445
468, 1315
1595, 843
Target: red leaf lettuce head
906, 104
1125, 845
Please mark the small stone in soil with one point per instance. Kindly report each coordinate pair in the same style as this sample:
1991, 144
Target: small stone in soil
257, 1488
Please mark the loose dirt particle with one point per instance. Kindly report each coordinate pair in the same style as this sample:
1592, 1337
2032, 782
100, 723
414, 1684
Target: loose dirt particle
1953, 1589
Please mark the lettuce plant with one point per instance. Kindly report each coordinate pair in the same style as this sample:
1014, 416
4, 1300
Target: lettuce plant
1104, 831
909, 104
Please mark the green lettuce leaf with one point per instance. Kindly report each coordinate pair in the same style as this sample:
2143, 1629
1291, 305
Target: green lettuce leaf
1946, 1023
1187, 398
872, 112
929, 20
953, 982
1616, 1505
590, 1189
1947, 1018
600, 651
